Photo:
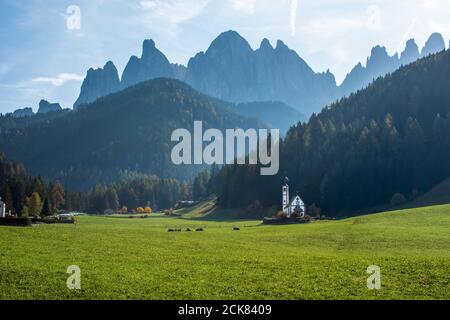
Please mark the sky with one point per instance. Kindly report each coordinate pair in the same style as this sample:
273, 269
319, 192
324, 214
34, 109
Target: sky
46, 46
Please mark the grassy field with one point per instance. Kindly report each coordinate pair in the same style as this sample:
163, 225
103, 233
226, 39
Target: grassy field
139, 259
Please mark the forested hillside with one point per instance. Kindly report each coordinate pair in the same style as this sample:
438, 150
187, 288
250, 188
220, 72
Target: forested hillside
25, 195
127, 131
277, 115
389, 142
9, 121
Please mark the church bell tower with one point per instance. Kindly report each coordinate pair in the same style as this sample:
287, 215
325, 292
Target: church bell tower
285, 192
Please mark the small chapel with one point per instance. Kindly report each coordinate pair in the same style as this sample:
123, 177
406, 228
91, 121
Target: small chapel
2, 209
292, 206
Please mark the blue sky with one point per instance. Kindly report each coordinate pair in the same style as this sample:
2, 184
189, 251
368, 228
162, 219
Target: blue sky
42, 56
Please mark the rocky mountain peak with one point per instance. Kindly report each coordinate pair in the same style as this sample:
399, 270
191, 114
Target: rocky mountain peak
411, 52
378, 53
148, 48
434, 44
46, 107
152, 64
265, 45
22, 113
229, 40
98, 83
281, 45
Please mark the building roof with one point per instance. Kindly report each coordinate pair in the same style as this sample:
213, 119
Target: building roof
297, 196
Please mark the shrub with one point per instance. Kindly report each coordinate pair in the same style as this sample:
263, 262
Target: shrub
280, 214
398, 199
168, 212
255, 208
305, 219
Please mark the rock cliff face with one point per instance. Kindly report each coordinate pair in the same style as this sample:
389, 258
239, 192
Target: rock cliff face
99, 83
46, 107
380, 63
434, 44
231, 70
152, 64
22, 113
411, 53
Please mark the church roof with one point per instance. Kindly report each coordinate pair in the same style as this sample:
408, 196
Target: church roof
294, 198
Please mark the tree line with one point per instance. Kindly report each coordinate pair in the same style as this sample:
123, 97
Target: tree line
385, 144
27, 196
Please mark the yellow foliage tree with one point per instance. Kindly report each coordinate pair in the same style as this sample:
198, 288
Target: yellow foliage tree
140, 210
34, 204
148, 210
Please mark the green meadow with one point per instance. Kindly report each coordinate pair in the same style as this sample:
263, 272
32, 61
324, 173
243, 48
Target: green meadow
123, 258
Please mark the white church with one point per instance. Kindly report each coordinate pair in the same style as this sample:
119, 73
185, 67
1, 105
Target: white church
292, 206
2, 209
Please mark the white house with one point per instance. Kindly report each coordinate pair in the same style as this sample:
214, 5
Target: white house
294, 205
2, 209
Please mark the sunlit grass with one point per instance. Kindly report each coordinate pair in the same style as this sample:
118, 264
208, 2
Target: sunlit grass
139, 259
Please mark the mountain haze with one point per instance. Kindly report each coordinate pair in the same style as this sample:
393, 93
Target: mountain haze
381, 63
126, 131
276, 115
384, 145
232, 71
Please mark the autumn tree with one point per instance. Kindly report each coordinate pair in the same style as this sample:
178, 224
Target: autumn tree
34, 204
58, 195
140, 210
124, 210
25, 212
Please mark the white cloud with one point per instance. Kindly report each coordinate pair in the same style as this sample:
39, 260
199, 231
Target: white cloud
60, 79
173, 11
245, 6
328, 27
294, 8
374, 15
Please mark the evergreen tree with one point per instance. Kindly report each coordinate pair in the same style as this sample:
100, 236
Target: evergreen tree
46, 211
112, 199
58, 196
391, 138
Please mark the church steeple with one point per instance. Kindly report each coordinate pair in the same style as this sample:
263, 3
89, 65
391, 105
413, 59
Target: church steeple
286, 199
2, 209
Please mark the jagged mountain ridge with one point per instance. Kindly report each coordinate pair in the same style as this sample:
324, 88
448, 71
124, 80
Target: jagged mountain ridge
231, 70
381, 63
